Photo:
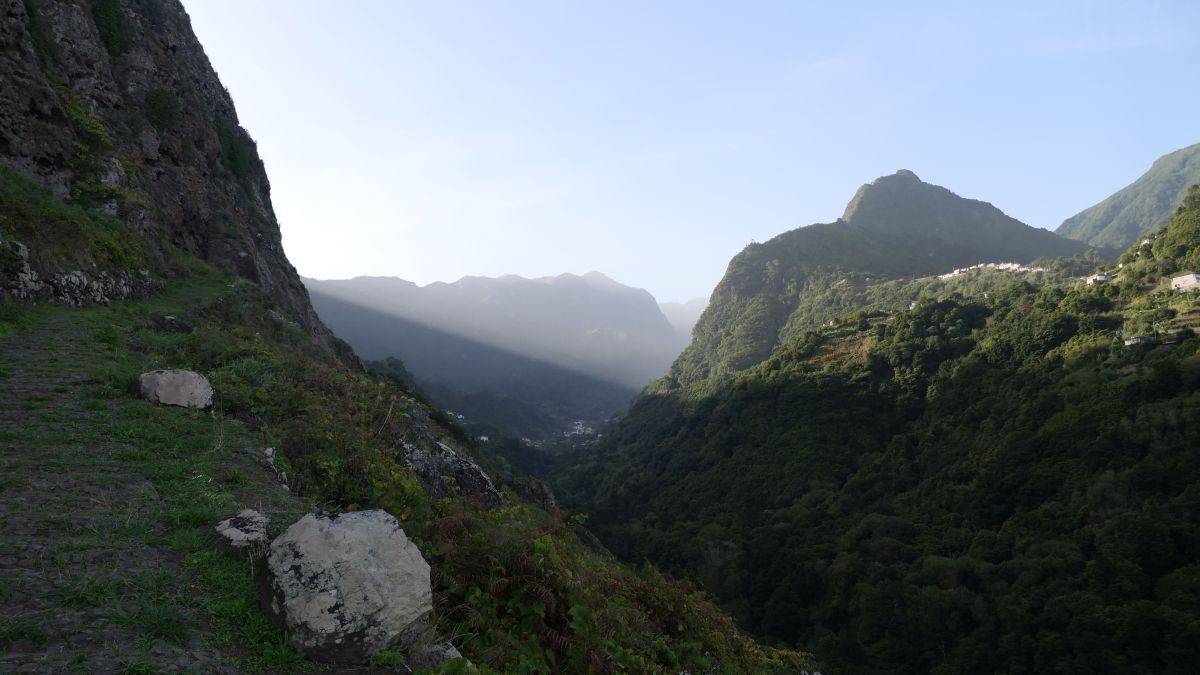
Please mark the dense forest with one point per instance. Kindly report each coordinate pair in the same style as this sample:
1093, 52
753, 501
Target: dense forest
992, 480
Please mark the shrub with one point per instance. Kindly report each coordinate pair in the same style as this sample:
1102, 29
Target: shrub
162, 109
110, 22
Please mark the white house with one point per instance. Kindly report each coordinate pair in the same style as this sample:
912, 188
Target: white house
1097, 279
1138, 340
1186, 281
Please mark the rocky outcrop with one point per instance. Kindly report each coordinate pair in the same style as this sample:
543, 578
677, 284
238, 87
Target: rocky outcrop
19, 281
243, 535
450, 474
113, 104
345, 586
183, 388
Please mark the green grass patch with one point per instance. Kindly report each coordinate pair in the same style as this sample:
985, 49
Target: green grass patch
229, 595
66, 235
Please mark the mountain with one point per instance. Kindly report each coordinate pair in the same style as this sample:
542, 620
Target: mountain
522, 395
1139, 208
895, 227
114, 106
683, 316
988, 472
137, 235
567, 347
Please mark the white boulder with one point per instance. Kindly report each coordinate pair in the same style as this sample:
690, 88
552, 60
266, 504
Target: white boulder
177, 387
344, 586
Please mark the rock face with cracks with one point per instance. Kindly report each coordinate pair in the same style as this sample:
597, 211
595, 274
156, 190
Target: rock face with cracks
344, 586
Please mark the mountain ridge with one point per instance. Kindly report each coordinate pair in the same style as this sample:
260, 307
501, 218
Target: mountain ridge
1146, 204
899, 226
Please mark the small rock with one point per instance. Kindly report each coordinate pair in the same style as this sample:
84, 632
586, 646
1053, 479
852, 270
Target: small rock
183, 388
165, 323
244, 534
344, 586
431, 656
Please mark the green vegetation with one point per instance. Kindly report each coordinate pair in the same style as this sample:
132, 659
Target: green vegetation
93, 144
517, 588
991, 481
43, 44
1145, 205
238, 150
162, 109
70, 235
895, 228
110, 21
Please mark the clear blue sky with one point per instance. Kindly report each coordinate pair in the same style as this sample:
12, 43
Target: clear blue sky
653, 140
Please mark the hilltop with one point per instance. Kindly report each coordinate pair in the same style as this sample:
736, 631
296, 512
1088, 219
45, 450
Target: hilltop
895, 227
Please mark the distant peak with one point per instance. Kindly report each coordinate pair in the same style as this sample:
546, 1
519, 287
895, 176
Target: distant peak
905, 173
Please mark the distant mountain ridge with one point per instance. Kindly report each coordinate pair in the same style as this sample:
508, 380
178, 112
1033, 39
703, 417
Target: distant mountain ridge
683, 315
567, 347
894, 227
1140, 207
588, 322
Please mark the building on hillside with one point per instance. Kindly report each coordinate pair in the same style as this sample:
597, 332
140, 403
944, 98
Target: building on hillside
1097, 279
1186, 281
1138, 340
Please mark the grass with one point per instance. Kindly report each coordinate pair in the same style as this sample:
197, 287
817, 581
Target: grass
69, 235
116, 439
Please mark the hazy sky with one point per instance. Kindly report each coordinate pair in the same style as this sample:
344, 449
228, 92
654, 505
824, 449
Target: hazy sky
652, 140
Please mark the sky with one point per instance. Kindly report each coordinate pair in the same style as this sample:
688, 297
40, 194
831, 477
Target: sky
652, 141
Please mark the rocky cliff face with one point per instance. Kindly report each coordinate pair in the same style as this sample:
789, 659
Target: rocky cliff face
113, 105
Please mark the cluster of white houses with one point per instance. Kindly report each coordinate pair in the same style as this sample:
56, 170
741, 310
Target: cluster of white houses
1002, 266
1185, 281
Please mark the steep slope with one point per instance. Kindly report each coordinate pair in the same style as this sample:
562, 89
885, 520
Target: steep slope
112, 104
991, 481
894, 227
1139, 208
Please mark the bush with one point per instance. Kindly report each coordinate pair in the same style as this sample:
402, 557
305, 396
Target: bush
162, 109
110, 22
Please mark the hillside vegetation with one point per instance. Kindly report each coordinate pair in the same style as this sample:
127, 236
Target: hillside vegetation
896, 227
990, 481
516, 587
1143, 206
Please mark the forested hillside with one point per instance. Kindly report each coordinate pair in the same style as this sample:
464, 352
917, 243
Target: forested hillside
990, 481
1143, 206
896, 227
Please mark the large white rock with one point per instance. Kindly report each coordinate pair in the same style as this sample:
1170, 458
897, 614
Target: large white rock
177, 387
344, 586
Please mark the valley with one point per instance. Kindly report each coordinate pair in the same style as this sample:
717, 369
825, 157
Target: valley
918, 435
